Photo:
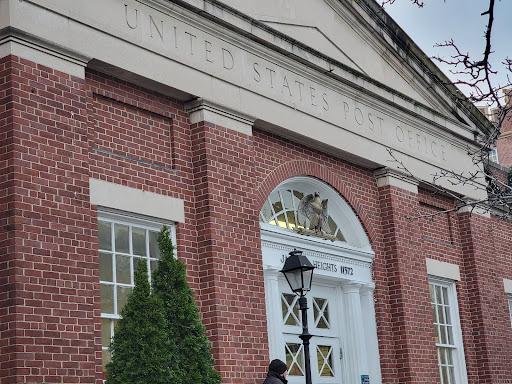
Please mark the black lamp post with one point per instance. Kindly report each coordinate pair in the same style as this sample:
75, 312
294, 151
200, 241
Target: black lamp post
299, 273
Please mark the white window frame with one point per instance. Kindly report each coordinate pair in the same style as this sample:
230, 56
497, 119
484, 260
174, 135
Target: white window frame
460, 372
510, 307
493, 155
132, 220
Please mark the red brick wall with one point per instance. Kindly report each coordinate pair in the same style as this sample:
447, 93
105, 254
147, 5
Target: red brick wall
215, 178
7, 223
52, 274
65, 130
504, 142
409, 301
229, 247
487, 256
279, 159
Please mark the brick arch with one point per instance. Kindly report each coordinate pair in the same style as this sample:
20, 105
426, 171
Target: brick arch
308, 168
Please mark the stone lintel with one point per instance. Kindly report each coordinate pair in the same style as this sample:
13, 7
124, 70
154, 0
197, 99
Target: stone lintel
508, 286
442, 269
116, 196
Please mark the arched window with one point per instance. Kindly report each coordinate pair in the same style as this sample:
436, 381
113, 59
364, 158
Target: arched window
280, 211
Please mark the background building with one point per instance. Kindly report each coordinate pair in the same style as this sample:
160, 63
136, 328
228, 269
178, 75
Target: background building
217, 119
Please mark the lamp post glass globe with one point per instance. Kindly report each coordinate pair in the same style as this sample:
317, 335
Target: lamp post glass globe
298, 272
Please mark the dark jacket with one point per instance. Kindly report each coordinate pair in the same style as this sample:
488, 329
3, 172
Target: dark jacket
275, 378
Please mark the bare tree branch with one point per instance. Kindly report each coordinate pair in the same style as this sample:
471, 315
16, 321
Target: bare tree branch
498, 200
480, 77
420, 4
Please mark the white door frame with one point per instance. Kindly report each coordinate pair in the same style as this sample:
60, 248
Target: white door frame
342, 267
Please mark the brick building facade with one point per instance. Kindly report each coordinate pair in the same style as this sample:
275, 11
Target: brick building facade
217, 120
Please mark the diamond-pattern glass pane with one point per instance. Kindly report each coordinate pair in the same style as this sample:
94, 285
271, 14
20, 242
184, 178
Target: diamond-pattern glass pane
290, 307
321, 312
294, 359
324, 357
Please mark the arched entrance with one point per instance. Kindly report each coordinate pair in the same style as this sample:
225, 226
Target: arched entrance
341, 309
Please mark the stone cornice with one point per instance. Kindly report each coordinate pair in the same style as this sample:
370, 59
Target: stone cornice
408, 49
262, 33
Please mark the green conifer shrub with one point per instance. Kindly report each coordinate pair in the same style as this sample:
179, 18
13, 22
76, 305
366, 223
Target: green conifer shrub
140, 347
191, 360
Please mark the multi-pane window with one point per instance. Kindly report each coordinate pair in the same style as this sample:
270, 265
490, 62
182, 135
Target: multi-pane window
122, 242
510, 307
281, 210
447, 332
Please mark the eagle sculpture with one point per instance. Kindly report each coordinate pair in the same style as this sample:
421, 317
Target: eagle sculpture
315, 210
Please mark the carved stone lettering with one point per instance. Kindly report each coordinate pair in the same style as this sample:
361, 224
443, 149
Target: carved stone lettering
358, 116
183, 42
312, 93
154, 26
208, 51
227, 59
326, 104
257, 76
134, 23
192, 38
285, 85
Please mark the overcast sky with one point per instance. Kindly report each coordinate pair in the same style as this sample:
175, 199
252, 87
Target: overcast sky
459, 20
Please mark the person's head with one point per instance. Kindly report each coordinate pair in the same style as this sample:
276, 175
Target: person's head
278, 367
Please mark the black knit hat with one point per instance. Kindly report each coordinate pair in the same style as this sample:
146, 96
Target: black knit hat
277, 366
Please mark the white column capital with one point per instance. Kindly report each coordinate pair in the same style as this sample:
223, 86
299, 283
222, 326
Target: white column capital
351, 288
271, 273
204, 110
367, 290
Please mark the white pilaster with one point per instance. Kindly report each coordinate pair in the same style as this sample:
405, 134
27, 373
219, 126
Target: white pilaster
370, 334
356, 363
273, 303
